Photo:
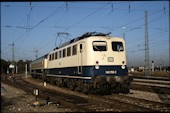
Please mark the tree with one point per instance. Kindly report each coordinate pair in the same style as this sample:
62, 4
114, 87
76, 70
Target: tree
21, 66
4, 66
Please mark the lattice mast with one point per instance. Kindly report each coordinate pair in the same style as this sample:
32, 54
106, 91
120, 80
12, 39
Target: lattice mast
147, 66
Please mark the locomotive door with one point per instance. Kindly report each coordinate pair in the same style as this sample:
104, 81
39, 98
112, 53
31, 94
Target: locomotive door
80, 58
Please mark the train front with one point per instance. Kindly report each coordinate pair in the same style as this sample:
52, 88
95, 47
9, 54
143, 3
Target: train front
108, 56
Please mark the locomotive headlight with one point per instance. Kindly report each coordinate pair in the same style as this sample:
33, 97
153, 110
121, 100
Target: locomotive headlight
123, 67
97, 67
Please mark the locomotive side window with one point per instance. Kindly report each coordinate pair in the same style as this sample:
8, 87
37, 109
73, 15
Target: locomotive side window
69, 51
99, 46
55, 55
49, 57
60, 54
74, 50
81, 48
117, 46
64, 53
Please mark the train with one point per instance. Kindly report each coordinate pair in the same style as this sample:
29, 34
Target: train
94, 62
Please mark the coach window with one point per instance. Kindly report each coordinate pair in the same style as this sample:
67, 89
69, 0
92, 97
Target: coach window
99, 46
74, 49
117, 46
55, 55
69, 51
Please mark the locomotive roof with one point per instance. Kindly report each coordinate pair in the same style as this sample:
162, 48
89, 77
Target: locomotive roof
86, 35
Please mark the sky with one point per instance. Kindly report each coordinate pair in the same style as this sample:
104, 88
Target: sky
36, 28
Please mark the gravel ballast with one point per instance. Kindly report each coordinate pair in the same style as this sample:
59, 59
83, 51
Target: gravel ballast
17, 100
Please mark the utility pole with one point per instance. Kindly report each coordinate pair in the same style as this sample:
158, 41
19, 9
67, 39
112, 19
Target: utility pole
152, 66
36, 53
147, 67
124, 32
169, 46
12, 56
12, 52
26, 70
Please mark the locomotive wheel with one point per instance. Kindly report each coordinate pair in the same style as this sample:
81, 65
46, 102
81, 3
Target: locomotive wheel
122, 88
79, 86
125, 89
34, 76
71, 84
106, 89
79, 89
86, 88
101, 85
59, 82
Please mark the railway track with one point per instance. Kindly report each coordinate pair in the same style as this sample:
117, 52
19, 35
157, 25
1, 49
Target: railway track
151, 84
114, 103
151, 77
141, 102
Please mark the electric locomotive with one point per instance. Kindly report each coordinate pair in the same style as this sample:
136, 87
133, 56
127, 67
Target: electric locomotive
93, 62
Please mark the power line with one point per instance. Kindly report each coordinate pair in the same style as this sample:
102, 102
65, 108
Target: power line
87, 16
140, 26
48, 16
139, 19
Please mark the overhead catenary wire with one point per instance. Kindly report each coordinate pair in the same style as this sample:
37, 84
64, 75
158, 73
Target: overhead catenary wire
148, 23
86, 17
140, 18
54, 12
30, 29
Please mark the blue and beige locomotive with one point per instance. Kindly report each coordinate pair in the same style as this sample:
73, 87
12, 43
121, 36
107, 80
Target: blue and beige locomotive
93, 62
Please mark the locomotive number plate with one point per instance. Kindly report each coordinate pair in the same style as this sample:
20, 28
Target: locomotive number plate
111, 72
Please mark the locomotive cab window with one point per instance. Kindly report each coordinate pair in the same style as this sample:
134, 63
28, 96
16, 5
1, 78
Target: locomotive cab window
99, 46
117, 46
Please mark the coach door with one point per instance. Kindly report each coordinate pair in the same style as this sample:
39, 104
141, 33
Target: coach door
80, 58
